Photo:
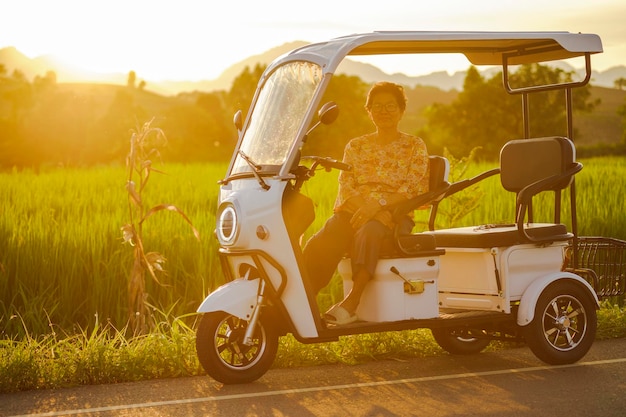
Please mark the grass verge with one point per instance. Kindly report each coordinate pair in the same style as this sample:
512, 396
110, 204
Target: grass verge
106, 355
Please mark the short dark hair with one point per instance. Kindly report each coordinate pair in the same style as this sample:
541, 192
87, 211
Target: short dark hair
387, 87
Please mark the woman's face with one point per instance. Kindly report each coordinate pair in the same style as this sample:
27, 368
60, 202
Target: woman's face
384, 111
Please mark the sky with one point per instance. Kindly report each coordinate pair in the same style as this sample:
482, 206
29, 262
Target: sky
198, 39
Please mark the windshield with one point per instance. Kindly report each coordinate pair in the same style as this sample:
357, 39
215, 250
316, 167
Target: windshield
277, 116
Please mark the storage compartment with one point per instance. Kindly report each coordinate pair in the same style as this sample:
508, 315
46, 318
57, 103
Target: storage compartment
525, 264
468, 279
388, 297
468, 270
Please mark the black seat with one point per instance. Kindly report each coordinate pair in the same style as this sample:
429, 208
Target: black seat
419, 244
527, 168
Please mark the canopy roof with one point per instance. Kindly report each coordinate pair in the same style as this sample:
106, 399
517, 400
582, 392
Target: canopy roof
480, 48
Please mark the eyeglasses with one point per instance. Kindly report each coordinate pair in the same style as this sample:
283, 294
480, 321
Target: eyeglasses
389, 107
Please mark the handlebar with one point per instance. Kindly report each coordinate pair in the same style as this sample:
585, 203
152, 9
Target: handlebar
328, 163
304, 173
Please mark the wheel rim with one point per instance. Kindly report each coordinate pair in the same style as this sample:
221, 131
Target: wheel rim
230, 348
462, 336
564, 323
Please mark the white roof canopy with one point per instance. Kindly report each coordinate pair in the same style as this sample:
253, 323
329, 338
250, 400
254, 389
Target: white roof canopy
480, 48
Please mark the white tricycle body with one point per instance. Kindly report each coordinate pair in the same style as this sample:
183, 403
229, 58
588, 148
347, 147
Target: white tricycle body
468, 285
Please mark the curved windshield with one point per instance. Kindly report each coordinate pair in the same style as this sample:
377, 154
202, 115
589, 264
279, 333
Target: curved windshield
277, 116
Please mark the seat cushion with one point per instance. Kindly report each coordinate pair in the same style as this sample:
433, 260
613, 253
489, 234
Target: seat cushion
490, 236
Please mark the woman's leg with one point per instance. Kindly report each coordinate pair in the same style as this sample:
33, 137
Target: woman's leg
366, 247
324, 250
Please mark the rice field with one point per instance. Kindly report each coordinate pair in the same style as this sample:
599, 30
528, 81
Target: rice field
64, 267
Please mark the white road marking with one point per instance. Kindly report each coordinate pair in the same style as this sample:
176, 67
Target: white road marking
317, 389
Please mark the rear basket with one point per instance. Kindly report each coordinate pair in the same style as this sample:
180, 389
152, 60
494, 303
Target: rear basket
602, 262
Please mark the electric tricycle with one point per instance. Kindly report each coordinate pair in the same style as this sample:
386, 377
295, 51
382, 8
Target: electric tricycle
522, 281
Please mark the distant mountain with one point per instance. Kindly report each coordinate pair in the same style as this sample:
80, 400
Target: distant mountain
225, 80
12, 59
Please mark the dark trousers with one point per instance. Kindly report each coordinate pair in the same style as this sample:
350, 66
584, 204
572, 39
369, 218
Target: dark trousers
337, 238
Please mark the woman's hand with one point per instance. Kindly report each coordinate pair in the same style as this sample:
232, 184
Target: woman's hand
365, 213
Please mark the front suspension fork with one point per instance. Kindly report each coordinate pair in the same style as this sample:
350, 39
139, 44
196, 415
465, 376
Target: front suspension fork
248, 338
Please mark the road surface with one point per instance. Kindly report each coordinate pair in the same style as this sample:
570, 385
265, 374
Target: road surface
508, 383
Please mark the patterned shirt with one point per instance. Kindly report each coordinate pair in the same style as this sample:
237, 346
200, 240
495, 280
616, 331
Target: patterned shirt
399, 167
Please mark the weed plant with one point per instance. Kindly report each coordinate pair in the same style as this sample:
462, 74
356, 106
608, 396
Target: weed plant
144, 146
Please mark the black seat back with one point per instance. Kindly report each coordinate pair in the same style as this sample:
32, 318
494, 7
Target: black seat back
525, 161
439, 170
531, 166
438, 185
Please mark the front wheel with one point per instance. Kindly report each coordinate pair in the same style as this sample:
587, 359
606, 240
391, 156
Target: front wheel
459, 341
564, 325
224, 356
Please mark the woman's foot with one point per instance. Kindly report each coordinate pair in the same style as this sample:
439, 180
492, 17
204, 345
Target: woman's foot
338, 315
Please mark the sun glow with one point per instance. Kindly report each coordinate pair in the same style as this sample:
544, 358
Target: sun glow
194, 39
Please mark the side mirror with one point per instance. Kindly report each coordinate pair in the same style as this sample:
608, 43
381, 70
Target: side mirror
238, 120
328, 113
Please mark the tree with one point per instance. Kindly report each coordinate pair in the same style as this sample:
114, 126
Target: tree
481, 116
46, 82
620, 83
484, 115
242, 90
547, 109
16, 101
109, 137
132, 79
621, 110
349, 92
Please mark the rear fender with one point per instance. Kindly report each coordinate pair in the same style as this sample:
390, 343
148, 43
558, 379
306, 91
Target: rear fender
526, 311
238, 297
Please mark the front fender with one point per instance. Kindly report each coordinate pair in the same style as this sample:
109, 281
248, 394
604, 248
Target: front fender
238, 297
526, 311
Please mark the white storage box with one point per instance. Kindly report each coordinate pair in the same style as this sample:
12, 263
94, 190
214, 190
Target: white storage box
467, 277
387, 297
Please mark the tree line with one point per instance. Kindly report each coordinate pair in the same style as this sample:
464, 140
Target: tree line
43, 123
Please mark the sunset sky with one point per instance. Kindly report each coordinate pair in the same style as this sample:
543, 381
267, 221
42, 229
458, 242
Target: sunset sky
198, 39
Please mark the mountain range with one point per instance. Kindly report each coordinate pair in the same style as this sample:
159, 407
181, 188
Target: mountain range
12, 60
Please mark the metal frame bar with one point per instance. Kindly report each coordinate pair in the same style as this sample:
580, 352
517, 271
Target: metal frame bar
525, 92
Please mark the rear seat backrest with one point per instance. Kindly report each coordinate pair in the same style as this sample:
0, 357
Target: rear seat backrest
524, 161
439, 171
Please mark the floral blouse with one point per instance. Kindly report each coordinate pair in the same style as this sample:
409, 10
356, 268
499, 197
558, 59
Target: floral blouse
379, 170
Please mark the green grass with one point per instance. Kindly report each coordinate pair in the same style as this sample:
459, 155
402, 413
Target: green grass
64, 271
106, 355
61, 254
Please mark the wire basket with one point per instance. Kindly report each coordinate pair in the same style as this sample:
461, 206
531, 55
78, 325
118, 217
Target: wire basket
602, 262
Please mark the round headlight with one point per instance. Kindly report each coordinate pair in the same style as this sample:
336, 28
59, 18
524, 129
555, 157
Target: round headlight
227, 225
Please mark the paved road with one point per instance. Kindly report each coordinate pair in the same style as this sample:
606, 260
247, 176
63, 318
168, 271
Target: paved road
506, 383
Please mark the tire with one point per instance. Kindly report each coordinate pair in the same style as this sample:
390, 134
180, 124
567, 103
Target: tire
564, 326
220, 348
458, 341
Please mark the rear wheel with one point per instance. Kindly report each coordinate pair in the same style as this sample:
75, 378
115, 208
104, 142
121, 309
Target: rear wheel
459, 341
224, 356
564, 325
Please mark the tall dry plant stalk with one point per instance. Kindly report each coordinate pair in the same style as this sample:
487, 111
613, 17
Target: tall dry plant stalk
144, 146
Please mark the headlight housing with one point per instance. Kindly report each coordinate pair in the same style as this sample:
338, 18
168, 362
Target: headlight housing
227, 224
